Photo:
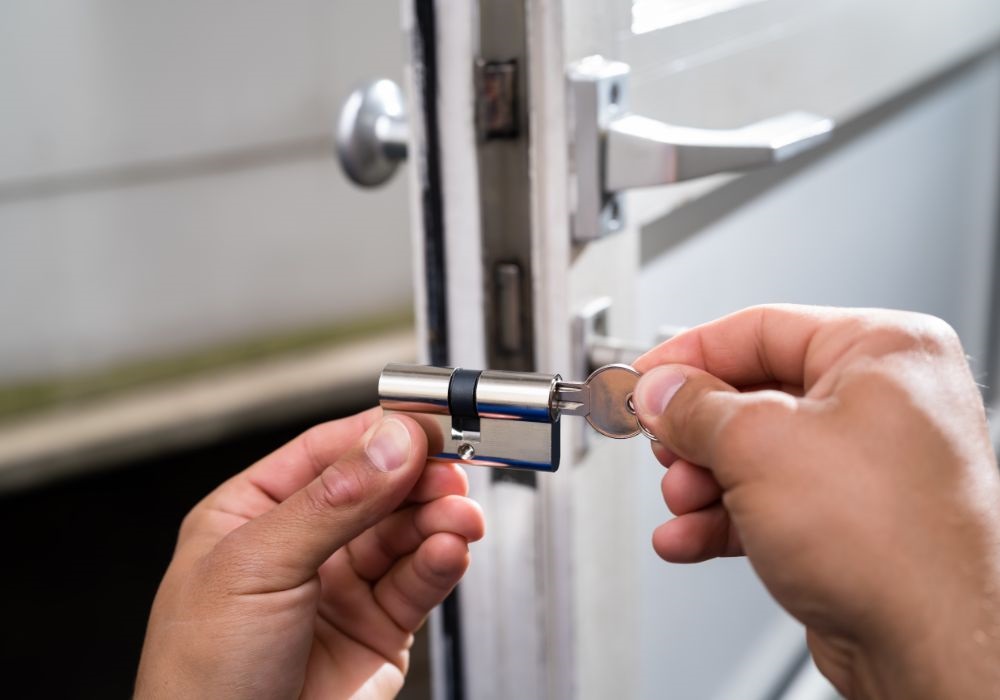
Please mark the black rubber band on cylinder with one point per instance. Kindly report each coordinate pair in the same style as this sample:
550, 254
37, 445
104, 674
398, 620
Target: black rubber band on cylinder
462, 393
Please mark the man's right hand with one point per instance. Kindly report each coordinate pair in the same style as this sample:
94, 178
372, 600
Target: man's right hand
846, 453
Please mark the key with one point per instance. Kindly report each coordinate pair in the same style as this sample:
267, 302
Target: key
604, 399
508, 419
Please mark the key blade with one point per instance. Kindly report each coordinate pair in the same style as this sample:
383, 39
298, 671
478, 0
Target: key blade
571, 398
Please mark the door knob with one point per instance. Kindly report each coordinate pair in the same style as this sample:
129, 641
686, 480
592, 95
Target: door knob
372, 133
615, 150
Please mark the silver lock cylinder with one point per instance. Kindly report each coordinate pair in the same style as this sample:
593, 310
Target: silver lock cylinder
490, 418
509, 419
516, 396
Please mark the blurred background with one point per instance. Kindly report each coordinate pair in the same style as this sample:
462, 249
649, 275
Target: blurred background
186, 281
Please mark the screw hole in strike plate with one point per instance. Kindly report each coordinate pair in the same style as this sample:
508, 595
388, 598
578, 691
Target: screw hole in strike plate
466, 451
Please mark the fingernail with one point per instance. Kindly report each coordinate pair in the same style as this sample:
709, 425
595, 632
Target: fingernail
389, 445
656, 388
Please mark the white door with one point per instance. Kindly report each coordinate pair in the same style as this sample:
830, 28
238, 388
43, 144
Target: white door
171, 206
168, 182
897, 208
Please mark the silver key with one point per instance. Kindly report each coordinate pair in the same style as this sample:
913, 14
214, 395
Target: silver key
605, 399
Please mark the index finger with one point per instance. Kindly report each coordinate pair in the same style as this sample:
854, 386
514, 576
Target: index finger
754, 346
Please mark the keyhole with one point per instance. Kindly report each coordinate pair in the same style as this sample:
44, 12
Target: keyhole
629, 406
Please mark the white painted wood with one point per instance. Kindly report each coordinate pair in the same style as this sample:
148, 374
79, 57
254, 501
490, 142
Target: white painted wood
458, 42
503, 616
551, 310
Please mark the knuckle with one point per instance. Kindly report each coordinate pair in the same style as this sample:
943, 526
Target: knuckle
447, 562
339, 486
937, 334
912, 331
746, 431
312, 439
190, 524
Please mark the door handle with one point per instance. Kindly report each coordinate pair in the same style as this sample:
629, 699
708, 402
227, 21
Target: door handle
615, 150
643, 152
372, 133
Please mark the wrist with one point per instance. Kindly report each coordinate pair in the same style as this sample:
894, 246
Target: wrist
945, 645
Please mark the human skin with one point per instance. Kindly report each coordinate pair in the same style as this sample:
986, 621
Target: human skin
307, 574
846, 454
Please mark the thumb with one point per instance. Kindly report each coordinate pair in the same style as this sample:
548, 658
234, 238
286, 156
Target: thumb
284, 547
709, 423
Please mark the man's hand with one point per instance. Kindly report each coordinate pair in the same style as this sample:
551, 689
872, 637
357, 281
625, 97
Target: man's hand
307, 574
846, 454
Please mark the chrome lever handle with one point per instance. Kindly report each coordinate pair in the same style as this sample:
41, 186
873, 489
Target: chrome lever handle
642, 152
372, 133
613, 150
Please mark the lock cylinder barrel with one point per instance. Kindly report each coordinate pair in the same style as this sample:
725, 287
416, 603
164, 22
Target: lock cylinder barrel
519, 396
516, 395
415, 388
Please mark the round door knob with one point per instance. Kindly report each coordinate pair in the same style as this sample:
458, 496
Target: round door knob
372, 133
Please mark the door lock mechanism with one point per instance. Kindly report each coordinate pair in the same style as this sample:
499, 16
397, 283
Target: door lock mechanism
498, 418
